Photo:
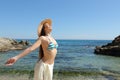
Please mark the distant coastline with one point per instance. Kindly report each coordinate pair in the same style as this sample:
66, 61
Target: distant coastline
7, 44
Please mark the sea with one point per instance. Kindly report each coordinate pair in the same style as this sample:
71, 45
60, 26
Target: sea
72, 56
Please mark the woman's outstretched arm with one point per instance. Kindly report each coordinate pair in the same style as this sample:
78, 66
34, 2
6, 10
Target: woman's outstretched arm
12, 60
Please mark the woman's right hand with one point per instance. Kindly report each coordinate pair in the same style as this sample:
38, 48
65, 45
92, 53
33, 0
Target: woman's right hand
11, 61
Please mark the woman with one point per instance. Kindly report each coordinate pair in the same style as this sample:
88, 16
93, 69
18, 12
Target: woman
48, 49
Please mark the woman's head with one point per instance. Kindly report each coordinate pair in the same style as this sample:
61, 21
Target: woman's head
45, 27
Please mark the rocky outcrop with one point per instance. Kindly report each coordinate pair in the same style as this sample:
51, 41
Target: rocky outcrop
112, 49
7, 44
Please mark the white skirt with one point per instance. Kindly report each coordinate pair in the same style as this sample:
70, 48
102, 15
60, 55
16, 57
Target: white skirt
43, 71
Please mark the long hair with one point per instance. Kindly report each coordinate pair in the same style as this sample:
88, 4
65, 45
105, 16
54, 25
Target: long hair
41, 52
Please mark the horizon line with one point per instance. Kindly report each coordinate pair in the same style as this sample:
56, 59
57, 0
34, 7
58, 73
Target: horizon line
59, 38
67, 39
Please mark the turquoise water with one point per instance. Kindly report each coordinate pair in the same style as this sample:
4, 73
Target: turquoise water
73, 55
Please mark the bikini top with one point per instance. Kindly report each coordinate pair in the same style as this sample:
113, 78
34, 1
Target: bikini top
52, 45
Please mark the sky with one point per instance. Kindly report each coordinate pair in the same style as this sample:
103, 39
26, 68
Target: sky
71, 19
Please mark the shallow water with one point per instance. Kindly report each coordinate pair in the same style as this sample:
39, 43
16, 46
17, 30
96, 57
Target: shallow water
73, 56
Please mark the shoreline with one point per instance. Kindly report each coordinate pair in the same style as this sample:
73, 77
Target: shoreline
58, 75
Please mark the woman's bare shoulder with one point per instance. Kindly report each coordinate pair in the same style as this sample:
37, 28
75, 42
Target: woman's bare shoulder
42, 38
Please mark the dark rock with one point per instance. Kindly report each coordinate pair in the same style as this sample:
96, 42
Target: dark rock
7, 44
112, 49
24, 42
